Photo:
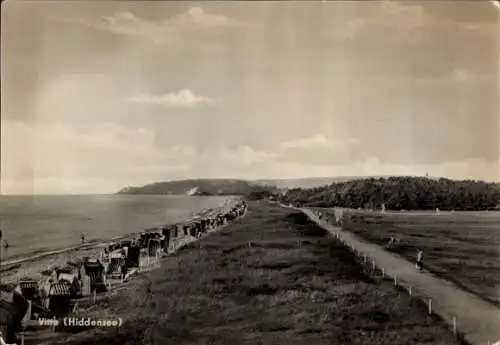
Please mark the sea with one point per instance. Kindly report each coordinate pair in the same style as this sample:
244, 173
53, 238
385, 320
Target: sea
41, 223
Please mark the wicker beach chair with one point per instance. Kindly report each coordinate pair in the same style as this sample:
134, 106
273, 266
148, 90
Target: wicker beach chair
9, 322
115, 267
94, 270
30, 289
60, 299
133, 256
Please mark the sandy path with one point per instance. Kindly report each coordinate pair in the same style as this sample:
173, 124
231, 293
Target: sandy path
477, 320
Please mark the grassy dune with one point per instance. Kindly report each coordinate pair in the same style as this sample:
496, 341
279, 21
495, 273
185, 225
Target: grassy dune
222, 290
461, 247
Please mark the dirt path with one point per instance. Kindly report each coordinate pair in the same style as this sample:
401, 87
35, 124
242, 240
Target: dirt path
477, 320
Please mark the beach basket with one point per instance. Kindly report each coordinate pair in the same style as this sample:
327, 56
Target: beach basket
95, 271
60, 299
153, 246
133, 256
10, 322
115, 267
30, 290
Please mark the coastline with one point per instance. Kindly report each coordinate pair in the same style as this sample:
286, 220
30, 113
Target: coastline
33, 264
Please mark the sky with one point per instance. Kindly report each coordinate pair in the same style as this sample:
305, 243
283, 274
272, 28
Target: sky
97, 96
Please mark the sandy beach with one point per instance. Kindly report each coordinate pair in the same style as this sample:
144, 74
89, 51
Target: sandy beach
33, 266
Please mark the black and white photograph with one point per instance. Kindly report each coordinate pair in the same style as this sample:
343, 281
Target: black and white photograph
250, 172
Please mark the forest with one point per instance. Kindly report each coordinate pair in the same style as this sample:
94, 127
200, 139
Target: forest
399, 193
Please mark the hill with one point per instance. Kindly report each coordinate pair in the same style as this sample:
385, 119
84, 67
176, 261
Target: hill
198, 187
235, 186
400, 193
310, 182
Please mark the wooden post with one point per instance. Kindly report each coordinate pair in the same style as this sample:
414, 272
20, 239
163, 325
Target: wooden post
364, 258
455, 325
409, 291
383, 272
395, 280
374, 264
430, 306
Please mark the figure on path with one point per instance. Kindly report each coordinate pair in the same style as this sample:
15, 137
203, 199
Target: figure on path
392, 240
420, 257
149, 291
83, 237
3, 246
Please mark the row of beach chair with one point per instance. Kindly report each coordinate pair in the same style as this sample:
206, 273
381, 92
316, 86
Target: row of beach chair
60, 292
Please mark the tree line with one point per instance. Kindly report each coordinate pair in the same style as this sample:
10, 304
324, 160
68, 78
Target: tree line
399, 193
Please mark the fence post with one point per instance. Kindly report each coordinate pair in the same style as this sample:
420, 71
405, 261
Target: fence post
430, 305
374, 264
383, 272
454, 325
364, 258
409, 291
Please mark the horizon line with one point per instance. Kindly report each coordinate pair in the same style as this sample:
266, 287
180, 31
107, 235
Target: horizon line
354, 177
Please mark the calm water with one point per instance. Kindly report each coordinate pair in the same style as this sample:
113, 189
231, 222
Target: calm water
39, 223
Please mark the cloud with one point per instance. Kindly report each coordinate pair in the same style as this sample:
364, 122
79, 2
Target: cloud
474, 168
460, 76
241, 157
106, 157
57, 158
159, 32
317, 141
401, 20
385, 14
181, 99
103, 154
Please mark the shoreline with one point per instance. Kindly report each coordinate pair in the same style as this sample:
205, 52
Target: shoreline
41, 335
34, 264
9, 262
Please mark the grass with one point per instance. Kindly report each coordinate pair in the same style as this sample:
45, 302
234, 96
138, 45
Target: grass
251, 283
460, 247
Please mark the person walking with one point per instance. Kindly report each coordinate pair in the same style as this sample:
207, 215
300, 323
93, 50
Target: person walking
3, 246
149, 291
420, 257
392, 240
